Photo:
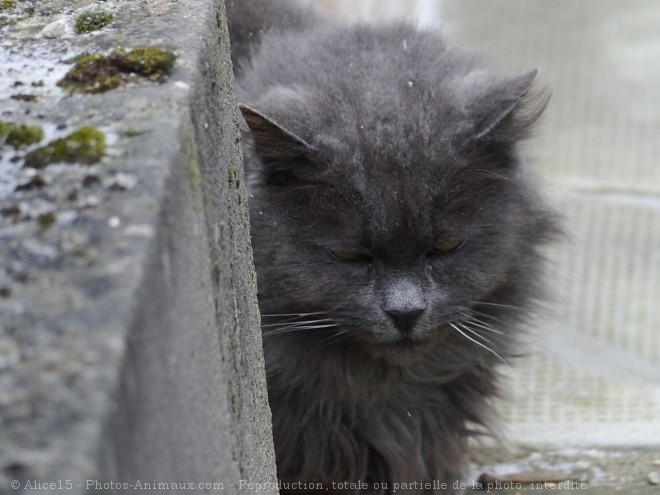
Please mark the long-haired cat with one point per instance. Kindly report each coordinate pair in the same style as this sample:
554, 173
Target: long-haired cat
396, 238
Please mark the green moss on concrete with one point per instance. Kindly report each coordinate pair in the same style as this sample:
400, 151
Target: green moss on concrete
85, 146
20, 135
92, 20
152, 63
96, 73
91, 74
47, 219
5, 20
10, 211
217, 272
231, 176
192, 168
132, 132
193, 176
6, 4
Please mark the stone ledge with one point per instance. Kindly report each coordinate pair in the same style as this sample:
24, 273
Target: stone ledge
129, 342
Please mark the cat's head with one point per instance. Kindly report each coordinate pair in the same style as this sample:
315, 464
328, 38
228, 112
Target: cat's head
397, 212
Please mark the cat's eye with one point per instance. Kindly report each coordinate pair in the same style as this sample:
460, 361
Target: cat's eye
350, 255
447, 246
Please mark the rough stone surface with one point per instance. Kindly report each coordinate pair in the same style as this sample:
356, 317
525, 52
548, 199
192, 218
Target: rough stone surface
129, 342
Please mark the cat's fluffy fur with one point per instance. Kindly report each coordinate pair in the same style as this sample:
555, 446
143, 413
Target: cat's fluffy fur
386, 143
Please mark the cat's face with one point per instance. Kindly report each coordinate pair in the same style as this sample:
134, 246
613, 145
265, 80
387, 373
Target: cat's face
393, 228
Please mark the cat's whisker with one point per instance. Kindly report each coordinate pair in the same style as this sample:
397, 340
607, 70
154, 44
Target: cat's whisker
532, 341
506, 363
466, 327
341, 333
333, 338
297, 323
481, 314
292, 318
316, 327
312, 326
458, 329
481, 324
276, 315
279, 331
490, 172
507, 306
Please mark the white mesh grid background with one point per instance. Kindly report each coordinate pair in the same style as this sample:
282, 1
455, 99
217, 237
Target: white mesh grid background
594, 377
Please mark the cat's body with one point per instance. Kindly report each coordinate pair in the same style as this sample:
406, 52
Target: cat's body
395, 237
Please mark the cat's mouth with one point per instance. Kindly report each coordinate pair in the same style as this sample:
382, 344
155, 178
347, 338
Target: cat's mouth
408, 342
405, 344
401, 351
413, 342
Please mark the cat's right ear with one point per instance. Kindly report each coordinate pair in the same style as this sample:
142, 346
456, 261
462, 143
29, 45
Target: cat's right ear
510, 108
281, 151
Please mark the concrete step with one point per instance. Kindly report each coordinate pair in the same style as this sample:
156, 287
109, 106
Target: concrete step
129, 333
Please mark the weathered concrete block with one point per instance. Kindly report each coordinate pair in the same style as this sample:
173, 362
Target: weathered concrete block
129, 333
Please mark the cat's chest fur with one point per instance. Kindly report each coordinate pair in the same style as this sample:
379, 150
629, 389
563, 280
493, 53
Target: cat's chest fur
352, 418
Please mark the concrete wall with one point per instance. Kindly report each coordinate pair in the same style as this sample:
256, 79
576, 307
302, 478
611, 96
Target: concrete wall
129, 333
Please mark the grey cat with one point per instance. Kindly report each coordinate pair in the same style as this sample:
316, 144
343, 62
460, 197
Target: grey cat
396, 238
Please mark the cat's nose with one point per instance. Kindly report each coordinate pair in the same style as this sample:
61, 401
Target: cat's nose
405, 319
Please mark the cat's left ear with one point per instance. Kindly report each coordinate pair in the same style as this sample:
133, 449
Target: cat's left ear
510, 109
285, 156
272, 141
